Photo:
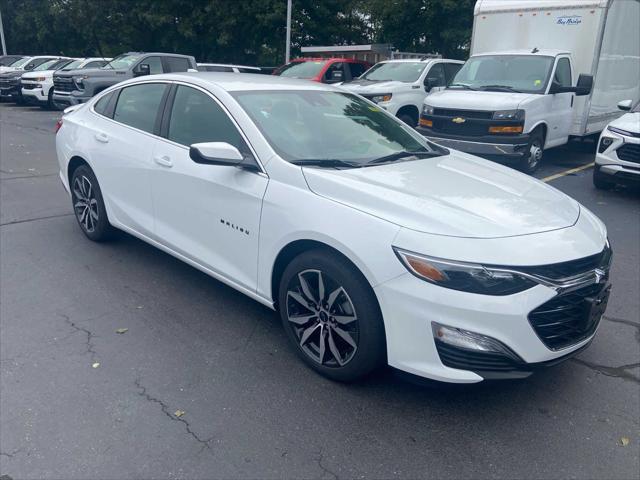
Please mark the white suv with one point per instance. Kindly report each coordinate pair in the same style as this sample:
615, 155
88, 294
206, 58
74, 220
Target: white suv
400, 86
37, 85
618, 158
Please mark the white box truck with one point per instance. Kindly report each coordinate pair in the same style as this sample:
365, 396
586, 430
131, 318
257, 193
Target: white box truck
540, 72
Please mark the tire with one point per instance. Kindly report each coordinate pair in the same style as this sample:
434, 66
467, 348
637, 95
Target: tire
88, 205
348, 322
600, 180
408, 119
49, 105
531, 163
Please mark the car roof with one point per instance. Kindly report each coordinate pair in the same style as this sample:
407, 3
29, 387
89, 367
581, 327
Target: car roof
327, 59
542, 53
226, 65
235, 82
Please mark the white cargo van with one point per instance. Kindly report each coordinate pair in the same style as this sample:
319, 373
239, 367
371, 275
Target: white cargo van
540, 71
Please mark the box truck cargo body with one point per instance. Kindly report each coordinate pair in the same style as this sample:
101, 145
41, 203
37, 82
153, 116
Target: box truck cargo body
599, 38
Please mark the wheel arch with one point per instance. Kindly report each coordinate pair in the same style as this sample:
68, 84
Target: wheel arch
541, 125
75, 162
409, 110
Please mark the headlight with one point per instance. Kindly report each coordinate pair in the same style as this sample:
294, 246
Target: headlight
80, 79
619, 131
508, 115
427, 110
381, 98
466, 277
39, 79
605, 142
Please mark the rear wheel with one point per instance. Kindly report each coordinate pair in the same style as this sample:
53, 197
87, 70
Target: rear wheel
331, 316
601, 180
531, 163
88, 205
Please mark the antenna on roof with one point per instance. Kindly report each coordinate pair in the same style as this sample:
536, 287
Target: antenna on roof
535, 50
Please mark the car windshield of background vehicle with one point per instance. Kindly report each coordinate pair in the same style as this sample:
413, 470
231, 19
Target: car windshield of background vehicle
520, 73
316, 126
122, 62
45, 66
407, 72
302, 69
73, 65
21, 62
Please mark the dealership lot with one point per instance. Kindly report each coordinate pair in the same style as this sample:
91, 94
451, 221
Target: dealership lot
250, 408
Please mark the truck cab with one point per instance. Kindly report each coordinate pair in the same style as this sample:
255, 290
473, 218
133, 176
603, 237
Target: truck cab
511, 104
400, 86
77, 86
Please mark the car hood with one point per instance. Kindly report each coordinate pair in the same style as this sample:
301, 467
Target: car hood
42, 73
91, 72
455, 195
471, 100
629, 122
12, 74
372, 86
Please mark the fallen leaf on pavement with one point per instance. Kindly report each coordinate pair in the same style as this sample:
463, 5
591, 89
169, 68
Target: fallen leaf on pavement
96, 365
624, 441
179, 413
122, 330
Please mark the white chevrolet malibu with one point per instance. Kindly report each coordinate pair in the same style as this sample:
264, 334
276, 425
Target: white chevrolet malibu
374, 245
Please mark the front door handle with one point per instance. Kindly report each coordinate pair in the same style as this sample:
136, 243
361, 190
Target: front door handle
101, 137
164, 161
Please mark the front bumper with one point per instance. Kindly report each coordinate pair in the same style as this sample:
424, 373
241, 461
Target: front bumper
10, 92
511, 146
36, 93
621, 159
69, 99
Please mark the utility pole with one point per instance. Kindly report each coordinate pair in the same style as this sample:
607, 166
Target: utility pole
4, 45
288, 47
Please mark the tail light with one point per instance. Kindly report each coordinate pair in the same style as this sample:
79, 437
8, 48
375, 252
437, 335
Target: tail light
58, 126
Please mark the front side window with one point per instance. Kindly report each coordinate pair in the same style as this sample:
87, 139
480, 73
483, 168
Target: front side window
335, 73
177, 64
73, 65
563, 73
197, 118
302, 69
407, 72
328, 126
435, 77
46, 65
155, 65
123, 62
138, 105
520, 73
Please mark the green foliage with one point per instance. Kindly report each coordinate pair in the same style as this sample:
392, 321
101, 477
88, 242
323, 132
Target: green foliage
242, 31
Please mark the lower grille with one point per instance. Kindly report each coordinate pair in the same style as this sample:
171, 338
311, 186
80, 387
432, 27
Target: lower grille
468, 128
569, 318
474, 360
29, 86
445, 112
629, 152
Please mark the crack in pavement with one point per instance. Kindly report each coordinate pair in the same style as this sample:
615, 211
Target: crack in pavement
14, 222
40, 129
89, 344
165, 409
24, 176
616, 372
622, 320
319, 459
12, 454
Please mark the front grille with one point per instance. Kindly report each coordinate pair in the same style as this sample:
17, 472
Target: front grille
445, 112
566, 319
556, 271
29, 86
63, 84
474, 360
468, 128
8, 82
629, 152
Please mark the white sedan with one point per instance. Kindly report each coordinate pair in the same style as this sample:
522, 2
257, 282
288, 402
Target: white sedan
373, 244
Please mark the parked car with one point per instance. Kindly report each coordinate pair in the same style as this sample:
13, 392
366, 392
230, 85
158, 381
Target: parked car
37, 85
7, 60
325, 70
517, 94
400, 86
77, 86
618, 157
222, 67
375, 245
10, 89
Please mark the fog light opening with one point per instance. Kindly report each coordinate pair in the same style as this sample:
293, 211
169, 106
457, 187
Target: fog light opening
470, 340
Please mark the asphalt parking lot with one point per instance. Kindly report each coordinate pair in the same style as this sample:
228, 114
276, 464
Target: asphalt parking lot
250, 408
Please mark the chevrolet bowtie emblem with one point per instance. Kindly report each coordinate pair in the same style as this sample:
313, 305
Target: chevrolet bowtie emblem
600, 274
458, 120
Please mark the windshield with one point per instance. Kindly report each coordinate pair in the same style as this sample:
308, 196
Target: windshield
301, 69
522, 73
21, 62
328, 126
73, 65
45, 65
122, 62
636, 109
399, 71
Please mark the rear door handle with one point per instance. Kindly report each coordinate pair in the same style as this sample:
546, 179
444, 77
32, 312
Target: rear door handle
164, 161
102, 137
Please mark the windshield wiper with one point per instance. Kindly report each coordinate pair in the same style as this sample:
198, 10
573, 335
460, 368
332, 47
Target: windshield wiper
324, 162
404, 154
463, 85
500, 88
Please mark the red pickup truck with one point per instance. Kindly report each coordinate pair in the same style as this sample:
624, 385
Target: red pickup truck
325, 70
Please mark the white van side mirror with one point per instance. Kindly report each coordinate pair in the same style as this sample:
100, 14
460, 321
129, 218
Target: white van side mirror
625, 105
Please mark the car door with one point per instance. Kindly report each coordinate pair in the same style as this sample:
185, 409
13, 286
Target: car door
435, 79
208, 213
122, 138
560, 113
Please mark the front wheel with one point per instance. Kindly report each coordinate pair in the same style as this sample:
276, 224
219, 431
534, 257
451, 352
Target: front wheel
331, 316
88, 205
531, 162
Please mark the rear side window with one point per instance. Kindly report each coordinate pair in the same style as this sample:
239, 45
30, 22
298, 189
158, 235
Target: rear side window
102, 104
177, 64
216, 68
563, 73
357, 69
196, 118
450, 70
138, 105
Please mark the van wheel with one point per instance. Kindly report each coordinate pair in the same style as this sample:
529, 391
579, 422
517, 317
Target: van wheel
601, 180
331, 316
88, 205
531, 163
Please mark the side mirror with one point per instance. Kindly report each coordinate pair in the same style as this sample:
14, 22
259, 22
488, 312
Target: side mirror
584, 85
336, 76
221, 153
143, 69
625, 105
429, 83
